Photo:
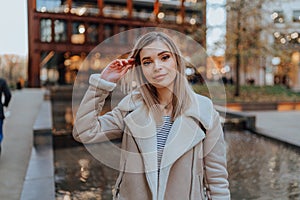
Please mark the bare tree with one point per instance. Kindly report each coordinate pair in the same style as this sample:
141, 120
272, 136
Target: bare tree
13, 67
245, 47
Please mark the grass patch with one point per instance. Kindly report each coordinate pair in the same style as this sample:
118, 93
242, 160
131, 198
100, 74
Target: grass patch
249, 93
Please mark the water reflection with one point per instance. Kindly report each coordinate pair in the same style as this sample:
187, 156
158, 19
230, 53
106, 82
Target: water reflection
258, 169
78, 176
262, 169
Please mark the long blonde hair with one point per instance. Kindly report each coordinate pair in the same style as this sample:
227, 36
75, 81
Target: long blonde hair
181, 92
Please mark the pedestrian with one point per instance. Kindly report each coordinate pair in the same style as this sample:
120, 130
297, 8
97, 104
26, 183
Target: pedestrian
172, 140
4, 90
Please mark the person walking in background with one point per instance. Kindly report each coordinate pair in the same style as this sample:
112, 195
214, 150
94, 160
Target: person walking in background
5, 92
172, 140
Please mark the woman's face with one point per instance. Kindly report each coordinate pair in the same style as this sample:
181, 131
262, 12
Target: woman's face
158, 64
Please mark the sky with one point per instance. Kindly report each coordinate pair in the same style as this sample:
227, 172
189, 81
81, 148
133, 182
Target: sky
13, 31
13, 23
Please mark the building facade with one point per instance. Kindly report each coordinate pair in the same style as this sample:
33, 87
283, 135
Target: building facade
61, 33
283, 64
264, 36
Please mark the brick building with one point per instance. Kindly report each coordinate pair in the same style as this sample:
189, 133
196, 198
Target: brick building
62, 32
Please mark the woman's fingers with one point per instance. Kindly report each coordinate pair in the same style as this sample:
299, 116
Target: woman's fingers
116, 69
121, 63
125, 69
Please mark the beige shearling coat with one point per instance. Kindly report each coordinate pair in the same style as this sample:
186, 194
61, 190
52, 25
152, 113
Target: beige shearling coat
187, 148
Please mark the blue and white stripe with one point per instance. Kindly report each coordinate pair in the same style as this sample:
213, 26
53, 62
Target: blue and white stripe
162, 135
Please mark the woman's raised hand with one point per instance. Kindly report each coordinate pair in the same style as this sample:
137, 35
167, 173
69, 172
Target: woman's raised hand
114, 71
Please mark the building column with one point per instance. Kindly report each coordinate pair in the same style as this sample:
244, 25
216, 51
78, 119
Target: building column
129, 8
34, 70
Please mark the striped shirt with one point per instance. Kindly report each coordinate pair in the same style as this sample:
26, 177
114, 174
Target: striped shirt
162, 135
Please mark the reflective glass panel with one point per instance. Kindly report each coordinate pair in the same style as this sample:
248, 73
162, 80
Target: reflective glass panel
56, 6
46, 30
92, 33
78, 30
60, 31
296, 16
85, 8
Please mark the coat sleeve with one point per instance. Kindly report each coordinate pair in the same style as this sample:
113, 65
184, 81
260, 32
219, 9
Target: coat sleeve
215, 164
89, 127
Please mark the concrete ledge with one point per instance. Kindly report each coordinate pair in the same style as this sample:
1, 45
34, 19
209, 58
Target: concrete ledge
39, 181
236, 118
43, 120
259, 106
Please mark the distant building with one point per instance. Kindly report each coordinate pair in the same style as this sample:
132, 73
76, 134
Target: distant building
62, 32
268, 35
284, 63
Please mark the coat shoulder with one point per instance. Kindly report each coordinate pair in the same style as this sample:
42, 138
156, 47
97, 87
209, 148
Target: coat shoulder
131, 101
202, 109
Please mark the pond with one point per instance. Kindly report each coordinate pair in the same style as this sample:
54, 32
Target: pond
259, 168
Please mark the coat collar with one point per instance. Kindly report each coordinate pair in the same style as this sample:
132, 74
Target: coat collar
184, 134
201, 109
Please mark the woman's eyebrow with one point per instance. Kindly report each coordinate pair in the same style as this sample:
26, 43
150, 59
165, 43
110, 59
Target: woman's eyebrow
163, 52
160, 53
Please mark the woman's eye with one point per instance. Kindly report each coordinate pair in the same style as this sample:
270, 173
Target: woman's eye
145, 63
165, 57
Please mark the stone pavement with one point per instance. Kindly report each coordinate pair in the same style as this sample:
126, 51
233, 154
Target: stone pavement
17, 146
18, 141
279, 125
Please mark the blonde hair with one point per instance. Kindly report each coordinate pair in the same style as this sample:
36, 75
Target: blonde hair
181, 92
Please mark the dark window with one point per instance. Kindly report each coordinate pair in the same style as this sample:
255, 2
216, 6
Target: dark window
85, 8
123, 36
278, 17
92, 33
108, 31
117, 9
294, 38
296, 16
78, 30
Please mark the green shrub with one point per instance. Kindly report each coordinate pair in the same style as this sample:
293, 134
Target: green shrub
249, 93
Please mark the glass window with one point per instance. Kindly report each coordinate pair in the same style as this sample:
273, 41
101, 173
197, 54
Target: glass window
108, 31
92, 33
136, 33
60, 31
122, 37
85, 8
277, 16
168, 10
56, 6
116, 9
49, 62
281, 38
142, 10
193, 17
294, 37
166, 14
193, 12
296, 16
46, 30
78, 36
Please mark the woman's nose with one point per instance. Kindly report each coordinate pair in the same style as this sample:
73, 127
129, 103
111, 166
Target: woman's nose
157, 65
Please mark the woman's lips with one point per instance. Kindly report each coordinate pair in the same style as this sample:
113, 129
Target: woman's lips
159, 77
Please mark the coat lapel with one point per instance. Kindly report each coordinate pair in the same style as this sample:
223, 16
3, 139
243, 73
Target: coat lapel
143, 129
184, 135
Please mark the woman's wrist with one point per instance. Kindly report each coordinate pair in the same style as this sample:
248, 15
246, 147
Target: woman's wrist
106, 79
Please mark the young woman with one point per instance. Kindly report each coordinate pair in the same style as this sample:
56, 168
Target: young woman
172, 140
